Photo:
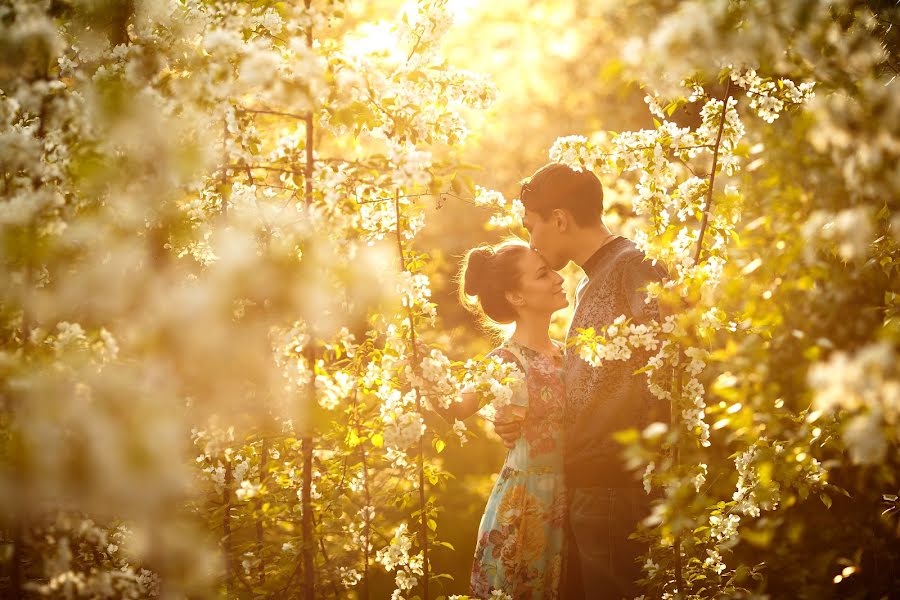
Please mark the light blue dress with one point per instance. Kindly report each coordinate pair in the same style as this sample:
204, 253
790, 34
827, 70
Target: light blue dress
521, 538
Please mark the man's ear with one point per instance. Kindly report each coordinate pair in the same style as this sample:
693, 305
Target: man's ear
560, 219
514, 298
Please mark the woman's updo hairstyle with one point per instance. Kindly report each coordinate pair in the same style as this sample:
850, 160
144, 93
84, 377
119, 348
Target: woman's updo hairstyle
486, 274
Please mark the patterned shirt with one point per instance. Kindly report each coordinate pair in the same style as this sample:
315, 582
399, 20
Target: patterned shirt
601, 401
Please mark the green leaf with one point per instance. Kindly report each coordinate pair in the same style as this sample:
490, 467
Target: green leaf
826, 500
759, 538
456, 185
439, 445
627, 437
468, 184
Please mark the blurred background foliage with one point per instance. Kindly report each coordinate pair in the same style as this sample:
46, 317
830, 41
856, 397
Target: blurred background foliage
564, 68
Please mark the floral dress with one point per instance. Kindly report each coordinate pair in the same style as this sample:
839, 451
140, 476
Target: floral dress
521, 536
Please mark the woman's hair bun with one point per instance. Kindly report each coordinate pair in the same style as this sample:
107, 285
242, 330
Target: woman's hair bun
485, 275
476, 269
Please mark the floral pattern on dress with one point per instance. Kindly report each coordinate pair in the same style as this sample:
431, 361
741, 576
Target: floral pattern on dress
521, 537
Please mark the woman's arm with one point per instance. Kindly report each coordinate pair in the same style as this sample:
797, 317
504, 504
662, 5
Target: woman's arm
461, 410
507, 424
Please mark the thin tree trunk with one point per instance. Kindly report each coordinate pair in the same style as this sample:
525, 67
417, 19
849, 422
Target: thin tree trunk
260, 530
367, 526
327, 560
679, 575
308, 580
226, 527
17, 566
309, 588
224, 180
420, 459
676, 546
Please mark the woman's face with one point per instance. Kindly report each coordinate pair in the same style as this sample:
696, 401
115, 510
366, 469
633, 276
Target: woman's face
540, 287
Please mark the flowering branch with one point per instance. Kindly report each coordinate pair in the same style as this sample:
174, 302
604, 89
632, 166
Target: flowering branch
712, 174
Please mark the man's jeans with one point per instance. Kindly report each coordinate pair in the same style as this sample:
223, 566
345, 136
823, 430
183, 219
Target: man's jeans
601, 519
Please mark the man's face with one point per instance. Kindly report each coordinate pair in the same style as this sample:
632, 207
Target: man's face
546, 238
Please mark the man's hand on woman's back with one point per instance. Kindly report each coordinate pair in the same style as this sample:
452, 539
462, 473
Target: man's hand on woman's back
509, 428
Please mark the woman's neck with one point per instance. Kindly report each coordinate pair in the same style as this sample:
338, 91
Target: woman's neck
533, 332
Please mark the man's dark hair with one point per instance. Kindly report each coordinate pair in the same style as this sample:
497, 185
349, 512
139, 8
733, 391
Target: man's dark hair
556, 185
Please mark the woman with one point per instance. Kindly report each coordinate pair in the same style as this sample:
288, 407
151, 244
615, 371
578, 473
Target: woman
520, 539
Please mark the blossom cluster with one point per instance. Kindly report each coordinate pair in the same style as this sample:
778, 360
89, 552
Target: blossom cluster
100, 346
415, 292
507, 213
437, 377
618, 341
495, 382
849, 231
769, 97
288, 345
72, 539
865, 385
396, 557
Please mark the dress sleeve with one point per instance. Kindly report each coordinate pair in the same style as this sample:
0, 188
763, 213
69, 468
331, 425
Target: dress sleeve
638, 272
520, 392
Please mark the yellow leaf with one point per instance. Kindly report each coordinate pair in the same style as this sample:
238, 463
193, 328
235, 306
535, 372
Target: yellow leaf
352, 438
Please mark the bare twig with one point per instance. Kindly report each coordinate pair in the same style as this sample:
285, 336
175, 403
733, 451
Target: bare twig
265, 111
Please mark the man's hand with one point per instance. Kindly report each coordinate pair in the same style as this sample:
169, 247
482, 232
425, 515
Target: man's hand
508, 424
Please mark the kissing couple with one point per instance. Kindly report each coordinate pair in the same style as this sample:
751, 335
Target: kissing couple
559, 517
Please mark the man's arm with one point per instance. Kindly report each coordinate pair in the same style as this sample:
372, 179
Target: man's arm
509, 429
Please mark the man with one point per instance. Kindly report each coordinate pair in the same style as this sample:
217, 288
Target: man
564, 217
